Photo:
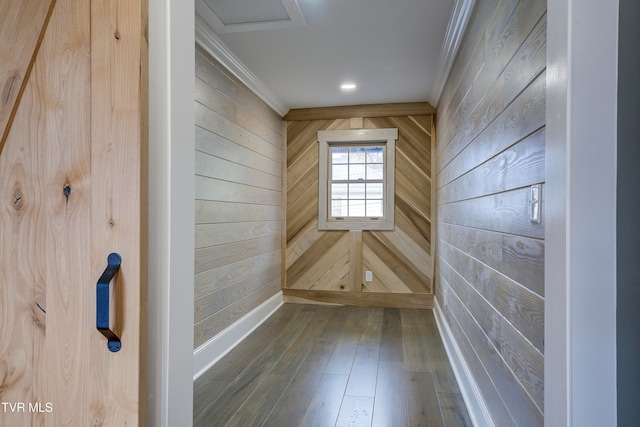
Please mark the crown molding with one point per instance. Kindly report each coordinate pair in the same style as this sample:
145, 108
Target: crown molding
453, 37
207, 40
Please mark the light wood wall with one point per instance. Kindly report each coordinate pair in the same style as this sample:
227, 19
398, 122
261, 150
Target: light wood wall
329, 266
490, 256
239, 152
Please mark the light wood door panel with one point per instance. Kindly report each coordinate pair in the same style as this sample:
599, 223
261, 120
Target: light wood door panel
23, 22
72, 190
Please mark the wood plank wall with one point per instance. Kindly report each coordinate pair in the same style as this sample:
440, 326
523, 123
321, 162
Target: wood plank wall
239, 152
490, 257
329, 266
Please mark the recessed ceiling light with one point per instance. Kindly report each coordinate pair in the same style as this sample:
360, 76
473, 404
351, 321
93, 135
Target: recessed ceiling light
348, 86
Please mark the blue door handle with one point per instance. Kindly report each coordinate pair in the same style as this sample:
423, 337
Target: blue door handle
102, 302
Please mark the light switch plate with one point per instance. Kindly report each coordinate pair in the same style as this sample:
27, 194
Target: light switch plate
368, 276
535, 203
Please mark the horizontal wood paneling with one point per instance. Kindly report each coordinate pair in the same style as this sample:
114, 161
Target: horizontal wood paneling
518, 166
219, 321
507, 212
230, 232
490, 256
400, 260
215, 212
521, 118
217, 256
518, 305
239, 217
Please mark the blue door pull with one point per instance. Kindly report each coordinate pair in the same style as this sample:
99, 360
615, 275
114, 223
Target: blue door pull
102, 302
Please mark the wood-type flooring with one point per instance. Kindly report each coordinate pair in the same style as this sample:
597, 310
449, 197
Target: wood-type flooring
314, 365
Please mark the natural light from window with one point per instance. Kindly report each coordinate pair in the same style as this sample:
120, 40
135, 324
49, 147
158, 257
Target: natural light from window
357, 181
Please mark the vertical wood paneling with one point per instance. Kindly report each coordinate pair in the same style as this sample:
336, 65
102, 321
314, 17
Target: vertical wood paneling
400, 260
72, 190
239, 200
22, 30
490, 256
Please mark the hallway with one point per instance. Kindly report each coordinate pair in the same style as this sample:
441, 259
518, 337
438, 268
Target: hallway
311, 365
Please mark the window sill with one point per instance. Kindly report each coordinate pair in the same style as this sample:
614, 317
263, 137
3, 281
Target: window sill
343, 224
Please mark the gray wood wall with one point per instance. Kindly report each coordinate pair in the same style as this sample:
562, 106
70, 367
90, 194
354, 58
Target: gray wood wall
239, 152
490, 256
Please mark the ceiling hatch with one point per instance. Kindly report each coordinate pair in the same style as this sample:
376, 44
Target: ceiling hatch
230, 16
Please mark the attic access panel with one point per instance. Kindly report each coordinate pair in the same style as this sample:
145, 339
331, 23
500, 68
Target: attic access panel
227, 16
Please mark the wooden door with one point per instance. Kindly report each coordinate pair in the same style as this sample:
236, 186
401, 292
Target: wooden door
72, 190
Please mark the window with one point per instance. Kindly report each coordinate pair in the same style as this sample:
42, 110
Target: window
356, 179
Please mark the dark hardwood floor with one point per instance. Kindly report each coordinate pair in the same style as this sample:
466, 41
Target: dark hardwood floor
311, 365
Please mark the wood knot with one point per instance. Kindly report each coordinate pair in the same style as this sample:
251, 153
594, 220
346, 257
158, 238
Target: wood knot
17, 200
116, 35
8, 89
66, 190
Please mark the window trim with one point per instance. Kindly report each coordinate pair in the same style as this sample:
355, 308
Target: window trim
328, 138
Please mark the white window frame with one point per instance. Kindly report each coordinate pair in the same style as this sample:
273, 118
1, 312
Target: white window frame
328, 138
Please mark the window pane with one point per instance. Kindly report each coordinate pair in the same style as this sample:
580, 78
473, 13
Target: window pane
339, 191
357, 154
356, 208
340, 172
374, 208
339, 154
356, 191
374, 155
356, 198
356, 172
374, 191
375, 171
339, 208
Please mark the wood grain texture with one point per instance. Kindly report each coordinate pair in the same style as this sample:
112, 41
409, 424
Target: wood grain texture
119, 99
522, 117
361, 299
519, 258
220, 411
324, 365
521, 307
23, 27
355, 260
489, 91
239, 200
490, 256
260, 404
73, 190
506, 212
217, 322
360, 111
400, 259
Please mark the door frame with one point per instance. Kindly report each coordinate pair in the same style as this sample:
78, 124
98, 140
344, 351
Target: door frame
580, 214
171, 212
171, 204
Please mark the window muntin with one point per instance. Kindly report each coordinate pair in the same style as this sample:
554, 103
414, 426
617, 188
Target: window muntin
356, 179
356, 187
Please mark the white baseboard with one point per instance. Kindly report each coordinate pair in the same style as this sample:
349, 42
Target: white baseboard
476, 406
213, 350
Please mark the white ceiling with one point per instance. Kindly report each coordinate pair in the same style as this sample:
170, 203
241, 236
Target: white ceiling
303, 50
